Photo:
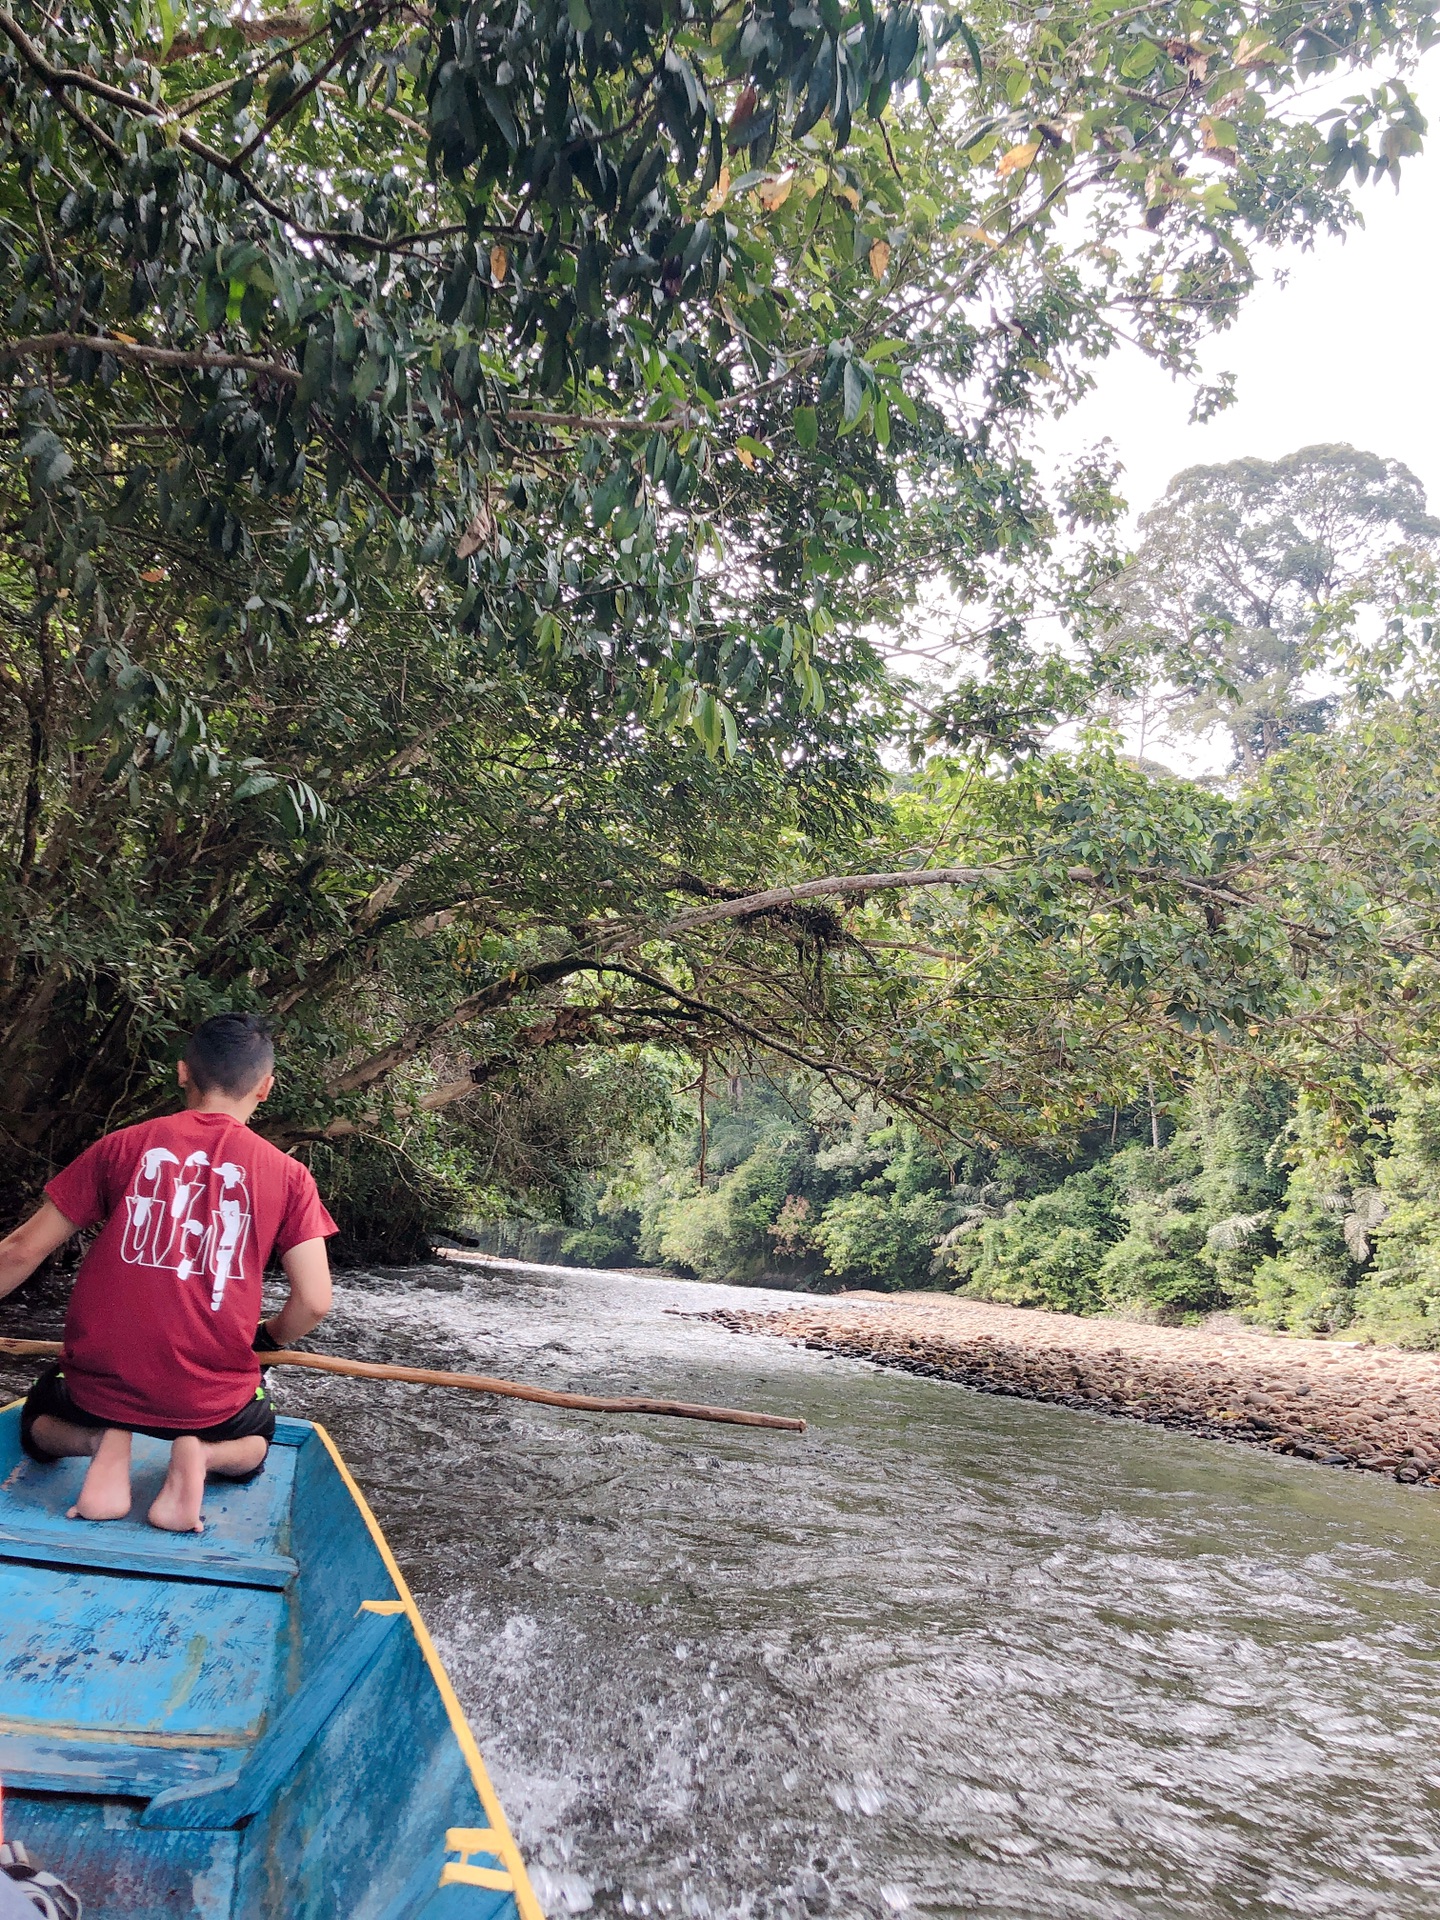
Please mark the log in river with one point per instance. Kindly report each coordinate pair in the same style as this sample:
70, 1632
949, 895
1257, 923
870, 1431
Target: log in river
947, 1653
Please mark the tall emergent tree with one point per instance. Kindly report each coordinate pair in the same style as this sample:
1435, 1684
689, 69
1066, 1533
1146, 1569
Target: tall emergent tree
1238, 567
457, 456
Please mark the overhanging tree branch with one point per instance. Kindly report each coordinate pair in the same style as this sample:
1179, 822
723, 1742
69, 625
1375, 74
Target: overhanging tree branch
194, 360
606, 956
862, 884
771, 1042
378, 1066
209, 359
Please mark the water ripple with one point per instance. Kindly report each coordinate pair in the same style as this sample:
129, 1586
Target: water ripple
946, 1654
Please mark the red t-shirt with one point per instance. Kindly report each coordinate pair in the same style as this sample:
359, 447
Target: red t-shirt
167, 1300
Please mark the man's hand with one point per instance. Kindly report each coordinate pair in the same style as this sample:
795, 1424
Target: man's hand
32, 1241
307, 1268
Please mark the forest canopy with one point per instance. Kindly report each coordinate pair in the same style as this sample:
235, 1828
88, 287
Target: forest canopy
1279, 1157
466, 468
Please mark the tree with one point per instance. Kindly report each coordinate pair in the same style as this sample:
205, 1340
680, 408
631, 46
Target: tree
1236, 570
461, 459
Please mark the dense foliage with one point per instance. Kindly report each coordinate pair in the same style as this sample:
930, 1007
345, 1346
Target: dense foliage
1296, 1181
459, 461
1232, 1113
1258, 1202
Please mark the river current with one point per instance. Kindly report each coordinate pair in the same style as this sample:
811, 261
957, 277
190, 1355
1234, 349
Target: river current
944, 1654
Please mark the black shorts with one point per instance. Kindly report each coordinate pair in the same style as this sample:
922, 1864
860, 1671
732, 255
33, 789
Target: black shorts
51, 1395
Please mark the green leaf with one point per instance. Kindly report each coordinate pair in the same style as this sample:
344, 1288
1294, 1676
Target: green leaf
1140, 60
315, 370
51, 463
287, 285
610, 495
807, 428
347, 337
256, 783
705, 721
367, 378
697, 246
499, 105
972, 46
855, 392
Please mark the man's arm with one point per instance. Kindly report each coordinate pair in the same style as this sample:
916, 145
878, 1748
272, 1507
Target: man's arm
307, 1268
32, 1241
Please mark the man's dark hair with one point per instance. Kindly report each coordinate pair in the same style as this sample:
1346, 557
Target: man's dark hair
230, 1051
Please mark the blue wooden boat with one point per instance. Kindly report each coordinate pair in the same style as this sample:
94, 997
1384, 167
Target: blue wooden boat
247, 1724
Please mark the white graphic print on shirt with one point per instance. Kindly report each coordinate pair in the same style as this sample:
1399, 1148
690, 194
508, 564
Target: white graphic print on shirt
176, 1219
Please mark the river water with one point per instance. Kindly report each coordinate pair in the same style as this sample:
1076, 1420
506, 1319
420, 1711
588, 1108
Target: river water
944, 1654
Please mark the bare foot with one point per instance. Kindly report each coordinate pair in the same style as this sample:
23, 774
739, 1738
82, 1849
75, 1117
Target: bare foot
176, 1507
105, 1494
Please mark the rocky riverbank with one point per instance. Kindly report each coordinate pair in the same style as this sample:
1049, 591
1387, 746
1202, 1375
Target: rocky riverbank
1374, 1409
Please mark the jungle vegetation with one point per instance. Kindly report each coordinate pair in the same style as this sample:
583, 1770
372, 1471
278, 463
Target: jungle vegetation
1279, 1157
467, 467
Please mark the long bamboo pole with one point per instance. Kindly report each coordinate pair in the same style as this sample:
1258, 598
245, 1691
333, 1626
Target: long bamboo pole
475, 1383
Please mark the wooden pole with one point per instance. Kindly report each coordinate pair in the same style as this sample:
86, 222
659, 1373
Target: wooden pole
475, 1383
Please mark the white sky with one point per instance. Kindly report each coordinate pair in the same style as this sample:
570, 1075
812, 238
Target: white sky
1343, 351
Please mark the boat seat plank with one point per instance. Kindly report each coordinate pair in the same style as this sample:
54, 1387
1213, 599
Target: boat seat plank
137, 1663
239, 1795
105, 1553
33, 1763
246, 1522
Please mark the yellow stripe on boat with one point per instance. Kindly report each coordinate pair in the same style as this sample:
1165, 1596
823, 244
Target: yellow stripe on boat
506, 1850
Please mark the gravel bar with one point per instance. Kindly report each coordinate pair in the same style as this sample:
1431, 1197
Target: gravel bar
1373, 1409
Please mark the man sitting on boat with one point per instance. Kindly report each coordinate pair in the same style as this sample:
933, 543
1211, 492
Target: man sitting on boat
161, 1333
